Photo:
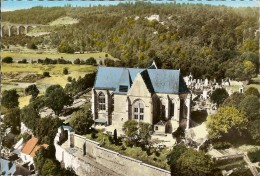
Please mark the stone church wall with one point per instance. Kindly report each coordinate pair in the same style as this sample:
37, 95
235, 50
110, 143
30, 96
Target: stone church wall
108, 159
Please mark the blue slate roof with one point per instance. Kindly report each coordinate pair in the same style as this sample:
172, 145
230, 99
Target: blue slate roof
5, 168
156, 80
69, 128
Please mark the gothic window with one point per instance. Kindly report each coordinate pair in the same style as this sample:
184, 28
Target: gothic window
101, 102
163, 111
138, 110
112, 103
172, 109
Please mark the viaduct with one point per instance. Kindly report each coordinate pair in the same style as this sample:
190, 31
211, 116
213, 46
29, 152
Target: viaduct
17, 28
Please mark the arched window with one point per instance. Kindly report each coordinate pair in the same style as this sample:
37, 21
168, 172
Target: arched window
112, 102
172, 109
101, 102
138, 110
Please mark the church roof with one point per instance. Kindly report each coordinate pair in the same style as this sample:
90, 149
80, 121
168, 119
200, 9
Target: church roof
156, 80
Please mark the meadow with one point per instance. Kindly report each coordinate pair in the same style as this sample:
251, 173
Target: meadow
38, 54
56, 77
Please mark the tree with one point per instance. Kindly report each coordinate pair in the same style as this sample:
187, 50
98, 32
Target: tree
32, 90
64, 47
69, 79
12, 120
46, 74
7, 60
77, 61
254, 130
10, 99
46, 129
30, 117
226, 121
249, 45
252, 91
174, 155
144, 132
250, 105
56, 98
81, 121
65, 71
193, 162
131, 131
115, 136
50, 167
31, 45
40, 157
233, 100
218, 96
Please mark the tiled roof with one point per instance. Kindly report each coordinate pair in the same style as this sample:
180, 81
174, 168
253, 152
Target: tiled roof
157, 80
31, 147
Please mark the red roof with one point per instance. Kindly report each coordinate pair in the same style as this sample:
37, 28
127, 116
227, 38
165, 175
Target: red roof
30, 147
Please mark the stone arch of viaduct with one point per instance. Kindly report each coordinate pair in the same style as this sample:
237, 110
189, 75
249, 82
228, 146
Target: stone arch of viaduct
17, 27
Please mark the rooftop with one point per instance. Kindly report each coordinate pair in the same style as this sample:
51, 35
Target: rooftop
31, 147
120, 79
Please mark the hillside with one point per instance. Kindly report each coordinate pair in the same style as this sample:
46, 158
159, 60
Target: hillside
208, 41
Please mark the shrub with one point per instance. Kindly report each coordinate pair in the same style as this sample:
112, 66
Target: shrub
24, 61
221, 145
254, 155
7, 60
65, 71
32, 45
69, 79
46, 74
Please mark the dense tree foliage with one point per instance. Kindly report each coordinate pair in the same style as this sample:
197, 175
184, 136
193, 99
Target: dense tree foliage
30, 117
56, 98
10, 99
254, 130
187, 35
193, 162
81, 121
251, 106
12, 120
47, 129
188, 162
131, 129
219, 95
138, 133
81, 84
234, 99
228, 121
252, 91
32, 90
173, 157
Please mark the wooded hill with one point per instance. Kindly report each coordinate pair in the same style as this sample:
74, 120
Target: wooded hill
208, 41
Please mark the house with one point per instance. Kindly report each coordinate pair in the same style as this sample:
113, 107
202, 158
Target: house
10, 168
29, 150
146, 95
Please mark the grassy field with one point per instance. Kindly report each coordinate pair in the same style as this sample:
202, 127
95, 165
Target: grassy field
33, 55
23, 101
56, 73
56, 69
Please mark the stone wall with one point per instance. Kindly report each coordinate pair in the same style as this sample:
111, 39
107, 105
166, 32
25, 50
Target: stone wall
100, 161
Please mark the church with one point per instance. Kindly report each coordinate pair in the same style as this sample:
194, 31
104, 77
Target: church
159, 97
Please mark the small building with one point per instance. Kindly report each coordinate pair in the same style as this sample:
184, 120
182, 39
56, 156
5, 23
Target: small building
160, 127
29, 150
